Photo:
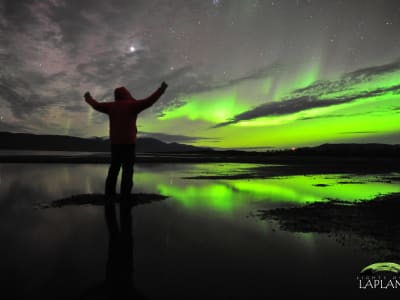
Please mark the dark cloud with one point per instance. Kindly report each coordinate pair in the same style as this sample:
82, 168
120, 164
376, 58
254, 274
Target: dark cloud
19, 14
281, 108
75, 108
375, 70
18, 103
14, 127
347, 81
74, 25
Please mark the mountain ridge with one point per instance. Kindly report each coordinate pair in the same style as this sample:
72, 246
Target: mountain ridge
48, 142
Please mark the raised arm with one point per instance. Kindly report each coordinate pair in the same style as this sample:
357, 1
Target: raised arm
149, 101
101, 107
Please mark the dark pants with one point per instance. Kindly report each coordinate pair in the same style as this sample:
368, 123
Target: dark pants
121, 155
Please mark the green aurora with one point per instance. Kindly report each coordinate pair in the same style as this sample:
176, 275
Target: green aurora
373, 112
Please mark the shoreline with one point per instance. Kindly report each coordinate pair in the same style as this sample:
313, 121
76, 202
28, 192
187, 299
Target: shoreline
264, 166
204, 158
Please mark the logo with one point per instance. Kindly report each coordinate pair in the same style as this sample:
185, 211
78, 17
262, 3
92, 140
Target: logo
381, 275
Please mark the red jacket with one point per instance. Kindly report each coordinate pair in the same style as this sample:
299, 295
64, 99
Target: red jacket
123, 113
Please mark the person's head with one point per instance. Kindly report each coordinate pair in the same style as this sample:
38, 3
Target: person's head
122, 93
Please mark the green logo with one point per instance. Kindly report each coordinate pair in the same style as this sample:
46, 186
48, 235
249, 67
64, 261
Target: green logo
381, 275
376, 268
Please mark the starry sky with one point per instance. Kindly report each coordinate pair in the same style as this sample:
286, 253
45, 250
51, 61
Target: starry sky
248, 74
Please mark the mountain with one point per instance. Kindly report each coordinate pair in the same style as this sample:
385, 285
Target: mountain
27, 141
368, 149
154, 145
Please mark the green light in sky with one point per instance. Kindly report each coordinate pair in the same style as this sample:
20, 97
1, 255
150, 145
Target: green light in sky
308, 76
214, 107
372, 116
266, 85
304, 76
365, 117
90, 117
67, 126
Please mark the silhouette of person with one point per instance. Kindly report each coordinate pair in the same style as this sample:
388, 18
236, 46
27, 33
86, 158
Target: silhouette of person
122, 115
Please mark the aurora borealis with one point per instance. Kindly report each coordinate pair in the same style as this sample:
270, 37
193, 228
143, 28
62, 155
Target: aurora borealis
241, 74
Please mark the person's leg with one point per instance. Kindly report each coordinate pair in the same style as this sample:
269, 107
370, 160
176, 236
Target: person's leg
127, 170
112, 176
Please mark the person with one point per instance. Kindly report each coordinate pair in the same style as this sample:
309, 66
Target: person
122, 115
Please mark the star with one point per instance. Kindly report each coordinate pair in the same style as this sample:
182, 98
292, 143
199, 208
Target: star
132, 49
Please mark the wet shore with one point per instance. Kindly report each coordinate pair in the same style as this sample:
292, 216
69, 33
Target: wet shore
374, 223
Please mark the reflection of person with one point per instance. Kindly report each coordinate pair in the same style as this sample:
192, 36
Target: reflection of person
123, 114
119, 268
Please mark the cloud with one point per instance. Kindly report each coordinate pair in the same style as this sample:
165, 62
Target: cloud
347, 80
260, 73
13, 127
75, 108
83, 45
20, 103
375, 70
134, 69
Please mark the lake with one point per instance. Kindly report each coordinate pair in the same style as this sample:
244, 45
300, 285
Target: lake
204, 241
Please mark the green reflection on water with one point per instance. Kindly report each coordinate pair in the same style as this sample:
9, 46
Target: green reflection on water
223, 169
303, 189
226, 195
216, 196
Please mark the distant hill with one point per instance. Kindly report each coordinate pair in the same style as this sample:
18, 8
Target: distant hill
27, 141
369, 149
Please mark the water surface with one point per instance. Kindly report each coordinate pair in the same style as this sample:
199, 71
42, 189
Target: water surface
202, 242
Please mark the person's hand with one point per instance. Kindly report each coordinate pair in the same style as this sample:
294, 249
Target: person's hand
164, 85
87, 96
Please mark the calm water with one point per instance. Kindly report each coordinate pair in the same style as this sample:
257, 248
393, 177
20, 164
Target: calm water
202, 242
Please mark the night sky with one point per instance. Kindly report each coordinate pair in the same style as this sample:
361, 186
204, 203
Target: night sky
247, 74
